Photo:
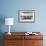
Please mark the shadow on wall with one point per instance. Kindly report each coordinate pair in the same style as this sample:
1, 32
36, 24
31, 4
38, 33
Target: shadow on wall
2, 21
1, 39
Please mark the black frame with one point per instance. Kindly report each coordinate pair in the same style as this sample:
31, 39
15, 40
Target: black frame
26, 11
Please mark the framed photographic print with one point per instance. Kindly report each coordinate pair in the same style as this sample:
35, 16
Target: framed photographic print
26, 16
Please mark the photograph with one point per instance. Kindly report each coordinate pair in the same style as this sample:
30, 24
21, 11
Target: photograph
27, 16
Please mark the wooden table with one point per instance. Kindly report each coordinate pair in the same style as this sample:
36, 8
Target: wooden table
20, 39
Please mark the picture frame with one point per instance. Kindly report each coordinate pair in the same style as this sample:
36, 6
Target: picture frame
26, 16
